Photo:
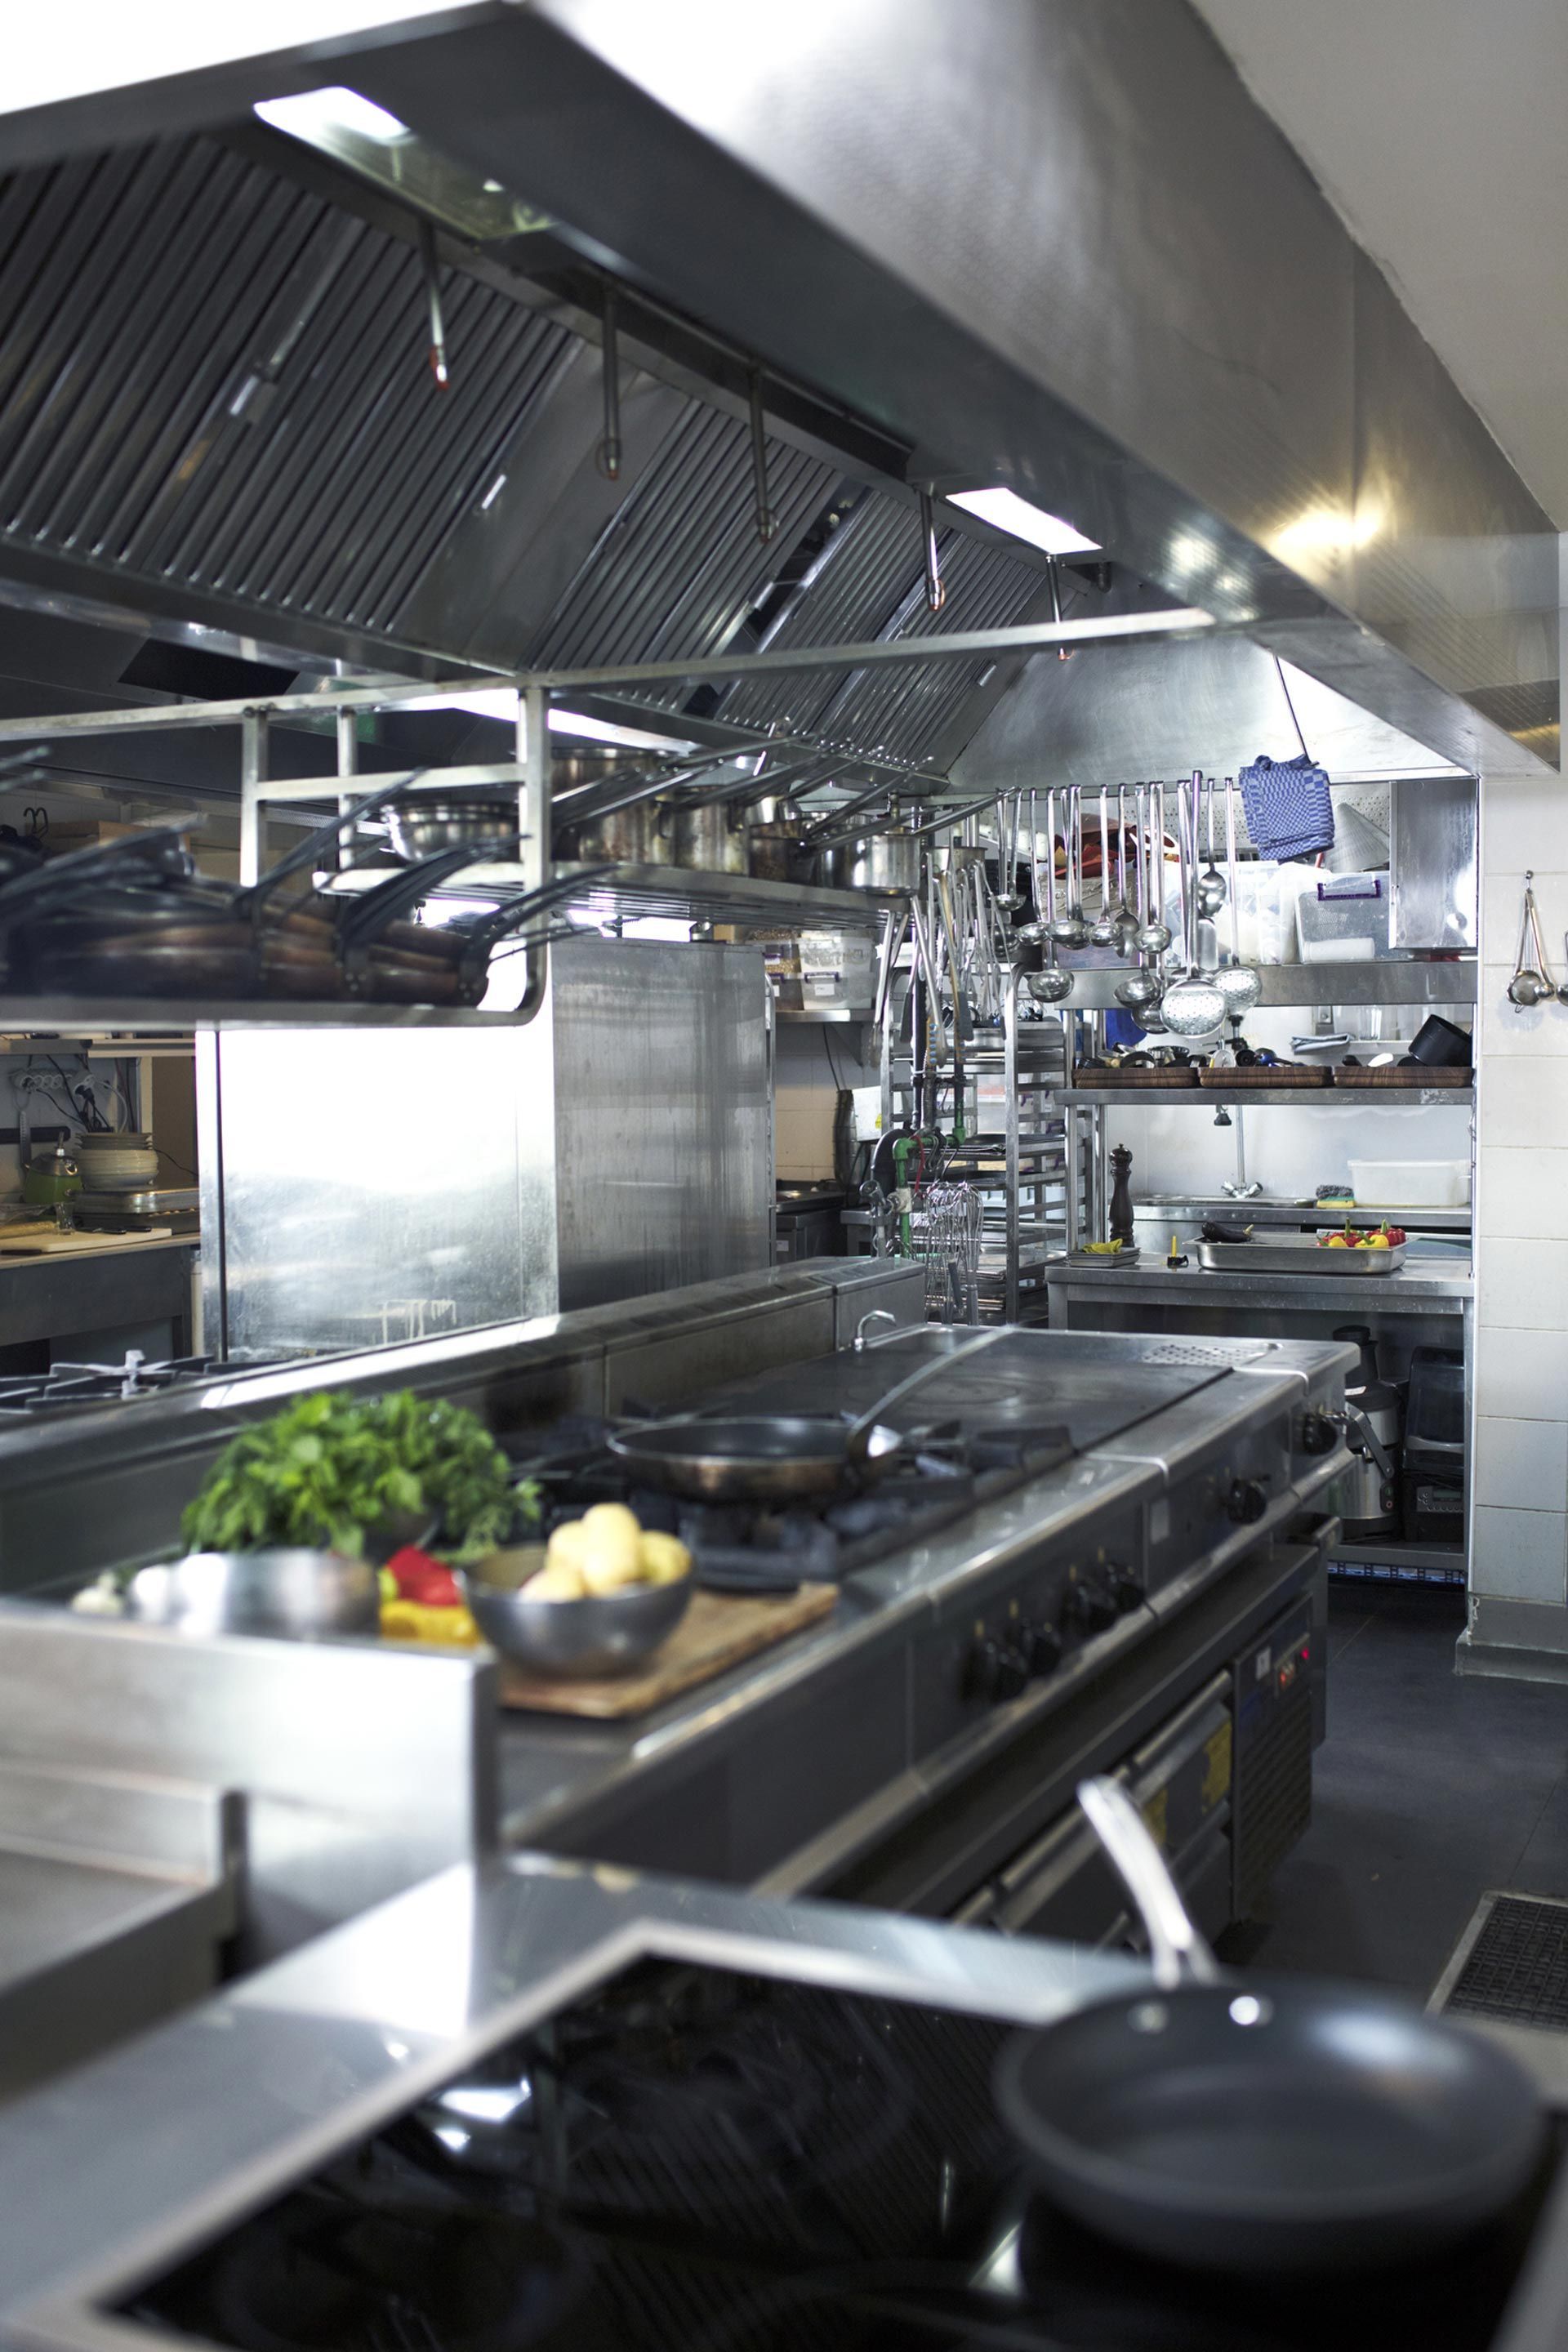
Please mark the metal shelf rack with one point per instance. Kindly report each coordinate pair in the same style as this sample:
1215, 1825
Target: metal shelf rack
1014, 1155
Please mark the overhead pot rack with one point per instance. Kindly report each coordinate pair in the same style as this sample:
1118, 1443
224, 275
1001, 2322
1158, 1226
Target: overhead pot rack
609, 894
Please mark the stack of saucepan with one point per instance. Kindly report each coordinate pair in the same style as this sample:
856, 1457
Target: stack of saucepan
135, 919
701, 815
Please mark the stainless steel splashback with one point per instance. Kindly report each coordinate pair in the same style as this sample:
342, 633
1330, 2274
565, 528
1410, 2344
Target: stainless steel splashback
664, 1145
362, 1187
1432, 863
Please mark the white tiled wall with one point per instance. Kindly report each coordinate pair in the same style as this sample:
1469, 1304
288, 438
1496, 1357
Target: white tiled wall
1518, 1526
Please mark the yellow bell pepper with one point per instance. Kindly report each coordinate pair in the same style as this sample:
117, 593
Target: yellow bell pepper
408, 1621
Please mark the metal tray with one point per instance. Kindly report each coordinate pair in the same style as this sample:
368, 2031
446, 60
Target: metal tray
1303, 1256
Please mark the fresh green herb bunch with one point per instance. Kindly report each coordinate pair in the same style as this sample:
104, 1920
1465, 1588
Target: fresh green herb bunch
332, 1467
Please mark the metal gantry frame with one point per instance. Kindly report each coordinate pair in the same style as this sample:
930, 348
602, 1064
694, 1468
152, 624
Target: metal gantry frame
534, 692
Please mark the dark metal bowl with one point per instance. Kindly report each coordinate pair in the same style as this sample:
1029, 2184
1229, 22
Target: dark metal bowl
604, 1633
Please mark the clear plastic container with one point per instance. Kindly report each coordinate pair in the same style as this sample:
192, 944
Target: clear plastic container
1343, 917
1410, 1184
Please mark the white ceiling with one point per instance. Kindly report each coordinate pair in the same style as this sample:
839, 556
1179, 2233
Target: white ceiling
1438, 128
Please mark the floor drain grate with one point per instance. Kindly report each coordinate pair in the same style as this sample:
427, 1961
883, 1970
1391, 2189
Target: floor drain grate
1510, 1963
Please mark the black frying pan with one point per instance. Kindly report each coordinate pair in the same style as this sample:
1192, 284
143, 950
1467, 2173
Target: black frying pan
1289, 2126
775, 1457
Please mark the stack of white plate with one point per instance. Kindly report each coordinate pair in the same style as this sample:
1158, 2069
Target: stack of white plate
116, 1163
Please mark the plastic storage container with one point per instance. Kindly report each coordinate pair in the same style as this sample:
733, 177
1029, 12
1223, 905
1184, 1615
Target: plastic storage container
1410, 1184
1343, 918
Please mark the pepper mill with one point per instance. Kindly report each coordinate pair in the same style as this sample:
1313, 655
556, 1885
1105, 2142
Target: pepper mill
1121, 1196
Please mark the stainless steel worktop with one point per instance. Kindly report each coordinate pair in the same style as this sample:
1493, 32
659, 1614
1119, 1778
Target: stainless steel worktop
111, 2177
844, 1713
182, 2126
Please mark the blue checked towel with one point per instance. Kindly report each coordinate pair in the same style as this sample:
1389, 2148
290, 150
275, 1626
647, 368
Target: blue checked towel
1288, 813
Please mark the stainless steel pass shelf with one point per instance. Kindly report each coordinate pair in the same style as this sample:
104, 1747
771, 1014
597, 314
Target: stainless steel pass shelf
677, 891
1265, 1098
644, 890
73, 1016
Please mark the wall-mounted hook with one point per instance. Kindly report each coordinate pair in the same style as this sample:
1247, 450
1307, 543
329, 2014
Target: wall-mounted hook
767, 521
936, 587
431, 267
608, 455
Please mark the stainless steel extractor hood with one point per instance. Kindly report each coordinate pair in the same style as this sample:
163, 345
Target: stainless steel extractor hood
1041, 246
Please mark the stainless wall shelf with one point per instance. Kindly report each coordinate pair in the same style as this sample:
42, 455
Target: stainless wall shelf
1094, 988
1265, 1097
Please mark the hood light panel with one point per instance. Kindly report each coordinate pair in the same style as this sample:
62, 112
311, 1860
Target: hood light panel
1005, 510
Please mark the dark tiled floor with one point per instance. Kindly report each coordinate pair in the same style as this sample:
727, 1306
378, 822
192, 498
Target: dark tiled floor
1428, 1790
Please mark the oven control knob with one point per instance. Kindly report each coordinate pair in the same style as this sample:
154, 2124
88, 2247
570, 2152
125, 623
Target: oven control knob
996, 1670
1125, 1588
1319, 1431
1091, 1605
1042, 1648
1247, 1501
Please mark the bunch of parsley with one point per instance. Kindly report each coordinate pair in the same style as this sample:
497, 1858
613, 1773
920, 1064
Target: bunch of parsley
332, 1468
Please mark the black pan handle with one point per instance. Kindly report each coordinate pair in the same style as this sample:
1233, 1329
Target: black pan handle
486, 934
160, 852
305, 853
369, 916
857, 1442
1178, 1952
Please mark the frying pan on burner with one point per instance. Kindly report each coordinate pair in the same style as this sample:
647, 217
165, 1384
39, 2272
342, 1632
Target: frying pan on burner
775, 1457
1289, 2126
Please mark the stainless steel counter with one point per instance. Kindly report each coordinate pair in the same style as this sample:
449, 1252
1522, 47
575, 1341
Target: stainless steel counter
779, 1770
185, 2124
1412, 1289
113, 2176
1300, 1215
105, 1486
132, 1285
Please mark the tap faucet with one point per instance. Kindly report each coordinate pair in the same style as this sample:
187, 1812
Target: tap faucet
877, 1315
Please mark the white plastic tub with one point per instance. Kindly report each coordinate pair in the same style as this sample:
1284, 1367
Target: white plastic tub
1410, 1184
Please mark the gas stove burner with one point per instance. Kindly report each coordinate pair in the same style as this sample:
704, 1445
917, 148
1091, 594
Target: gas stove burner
66, 1386
690, 2158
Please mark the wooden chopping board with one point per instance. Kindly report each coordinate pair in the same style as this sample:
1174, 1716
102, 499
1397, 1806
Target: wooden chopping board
1292, 1073
1179, 1074
1395, 1077
47, 1241
718, 1631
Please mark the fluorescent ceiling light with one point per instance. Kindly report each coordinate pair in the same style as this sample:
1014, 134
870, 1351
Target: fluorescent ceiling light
500, 702
1005, 510
317, 113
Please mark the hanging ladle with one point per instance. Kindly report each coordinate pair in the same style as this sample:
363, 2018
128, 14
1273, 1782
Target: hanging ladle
1124, 919
1193, 1005
1050, 985
1238, 984
1530, 984
1103, 934
1139, 992
1070, 929
1154, 933
1211, 882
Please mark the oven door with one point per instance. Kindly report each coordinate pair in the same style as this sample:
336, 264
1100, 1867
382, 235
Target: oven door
1180, 1781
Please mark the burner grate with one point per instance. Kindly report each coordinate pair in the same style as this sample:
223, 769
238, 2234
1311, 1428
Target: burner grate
1510, 1963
